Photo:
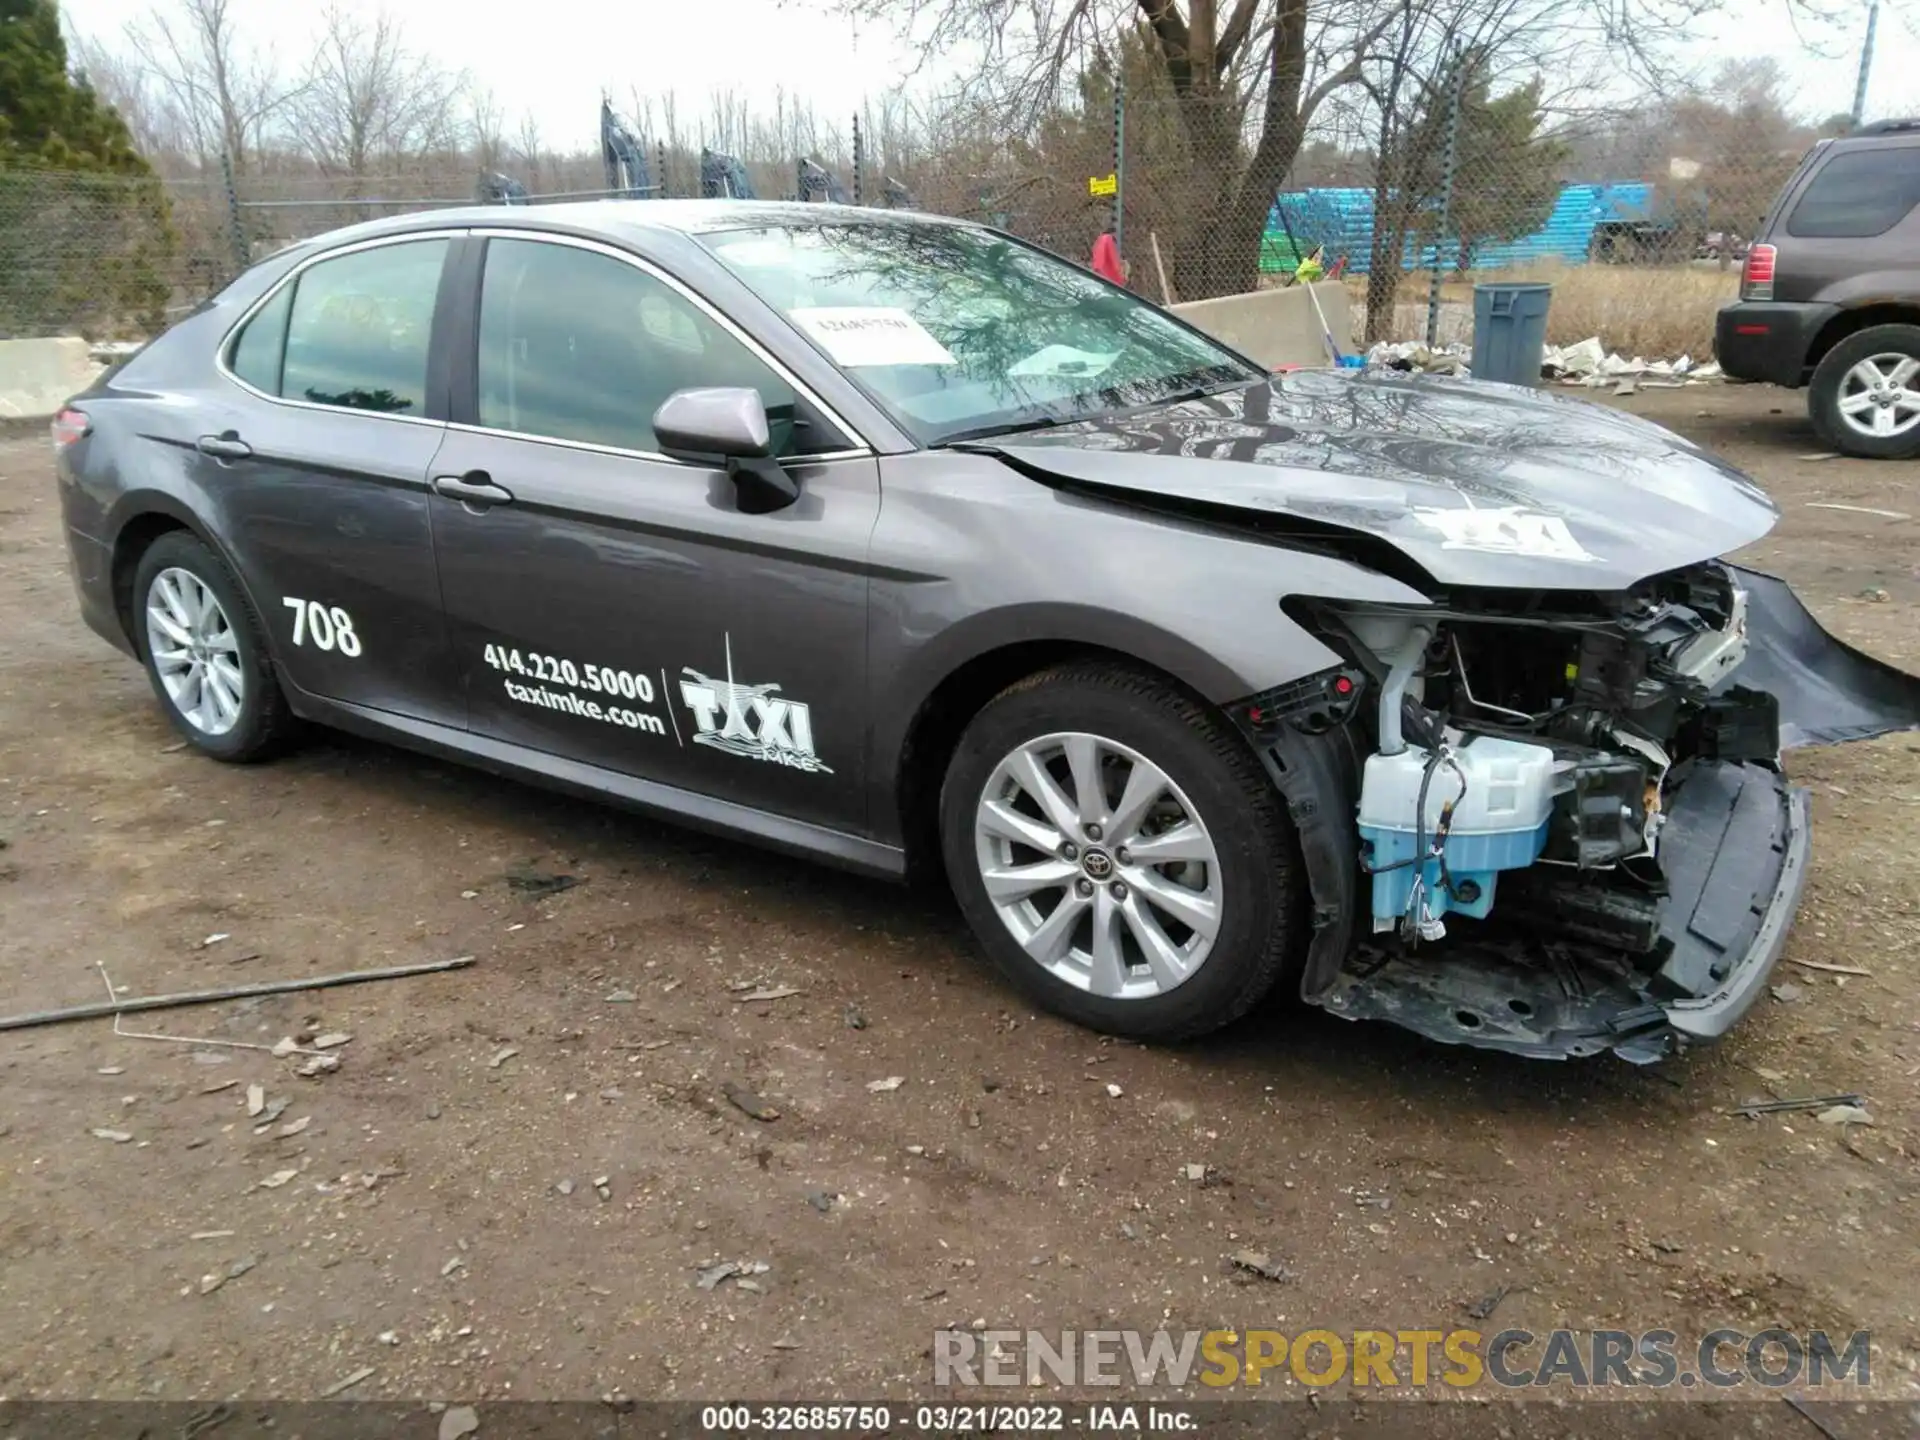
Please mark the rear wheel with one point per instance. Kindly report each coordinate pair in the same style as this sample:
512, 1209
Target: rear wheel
1865, 393
1119, 853
205, 652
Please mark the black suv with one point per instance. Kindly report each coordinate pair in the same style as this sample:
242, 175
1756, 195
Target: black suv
1830, 297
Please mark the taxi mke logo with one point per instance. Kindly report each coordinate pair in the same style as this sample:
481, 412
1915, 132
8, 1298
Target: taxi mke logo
750, 720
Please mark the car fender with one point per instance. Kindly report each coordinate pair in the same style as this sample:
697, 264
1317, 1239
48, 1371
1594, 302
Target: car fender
1071, 625
151, 466
1891, 287
138, 505
987, 561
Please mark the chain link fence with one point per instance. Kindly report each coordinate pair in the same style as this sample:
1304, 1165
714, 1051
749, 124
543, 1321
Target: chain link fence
1640, 218
100, 255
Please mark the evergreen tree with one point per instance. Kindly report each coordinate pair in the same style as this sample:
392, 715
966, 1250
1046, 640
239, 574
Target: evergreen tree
1507, 176
84, 233
48, 118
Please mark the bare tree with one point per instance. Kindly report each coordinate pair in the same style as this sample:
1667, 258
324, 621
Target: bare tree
128, 85
486, 128
1241, 79
531, 149
221, 95
727, 118
1229, 91
371, 97
1425, 52
1429, 49
658, 114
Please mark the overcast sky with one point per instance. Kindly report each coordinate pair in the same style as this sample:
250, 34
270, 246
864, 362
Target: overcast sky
553, 59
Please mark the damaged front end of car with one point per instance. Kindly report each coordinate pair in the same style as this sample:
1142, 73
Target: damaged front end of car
1572, 832
1539, 799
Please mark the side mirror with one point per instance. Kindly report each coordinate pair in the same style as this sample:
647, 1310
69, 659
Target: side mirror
728, 423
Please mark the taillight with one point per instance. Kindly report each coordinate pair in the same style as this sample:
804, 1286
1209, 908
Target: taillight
68, 426
1756, 281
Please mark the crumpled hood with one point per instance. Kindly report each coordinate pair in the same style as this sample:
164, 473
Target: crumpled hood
1477, 484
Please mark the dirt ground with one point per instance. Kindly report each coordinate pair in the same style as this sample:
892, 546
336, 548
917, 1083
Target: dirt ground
509, 1185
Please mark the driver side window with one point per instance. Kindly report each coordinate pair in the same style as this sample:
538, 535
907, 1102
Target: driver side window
578, 345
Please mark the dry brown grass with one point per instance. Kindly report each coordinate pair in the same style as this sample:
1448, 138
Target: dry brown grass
1655, 311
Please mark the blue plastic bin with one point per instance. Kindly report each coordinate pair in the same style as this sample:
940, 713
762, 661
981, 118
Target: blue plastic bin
1510, 331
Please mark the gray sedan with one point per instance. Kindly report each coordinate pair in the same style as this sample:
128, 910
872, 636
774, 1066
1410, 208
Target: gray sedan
898, 543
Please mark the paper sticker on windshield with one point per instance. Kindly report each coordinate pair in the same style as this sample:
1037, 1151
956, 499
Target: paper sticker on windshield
856, 335
1507, 531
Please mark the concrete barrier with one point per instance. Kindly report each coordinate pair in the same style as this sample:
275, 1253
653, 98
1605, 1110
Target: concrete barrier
38, 376
1275, 327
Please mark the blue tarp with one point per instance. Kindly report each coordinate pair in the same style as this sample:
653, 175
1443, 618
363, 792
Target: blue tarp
1341, 219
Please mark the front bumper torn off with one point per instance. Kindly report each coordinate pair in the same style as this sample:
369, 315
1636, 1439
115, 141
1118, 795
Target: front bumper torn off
1734, 851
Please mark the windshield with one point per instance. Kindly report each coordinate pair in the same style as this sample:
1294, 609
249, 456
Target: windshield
961, 333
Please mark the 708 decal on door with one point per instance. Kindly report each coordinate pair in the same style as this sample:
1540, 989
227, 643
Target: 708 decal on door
327, 626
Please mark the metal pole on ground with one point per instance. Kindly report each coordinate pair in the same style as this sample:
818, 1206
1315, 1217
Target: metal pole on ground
139, 1004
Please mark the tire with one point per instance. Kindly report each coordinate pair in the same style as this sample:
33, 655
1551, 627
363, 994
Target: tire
228, 650
1247, 893
1838, 377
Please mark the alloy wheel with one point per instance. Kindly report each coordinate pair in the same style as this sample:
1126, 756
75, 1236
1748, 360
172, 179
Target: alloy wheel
1099, 867
195, 651
1877, 396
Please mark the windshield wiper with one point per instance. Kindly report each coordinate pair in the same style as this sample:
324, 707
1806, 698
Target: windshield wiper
1197, 392
1005, 427
1047, 422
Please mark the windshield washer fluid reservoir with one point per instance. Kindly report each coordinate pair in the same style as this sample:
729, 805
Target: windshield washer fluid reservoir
1499, 823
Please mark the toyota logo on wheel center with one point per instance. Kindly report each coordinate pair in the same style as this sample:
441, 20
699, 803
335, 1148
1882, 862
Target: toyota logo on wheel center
1097, 863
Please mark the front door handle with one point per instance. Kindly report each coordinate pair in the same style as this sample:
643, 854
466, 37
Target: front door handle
228, 446
475, 488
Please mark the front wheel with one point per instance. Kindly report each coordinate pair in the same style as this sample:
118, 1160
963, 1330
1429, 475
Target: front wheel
1864, 397
1120, 854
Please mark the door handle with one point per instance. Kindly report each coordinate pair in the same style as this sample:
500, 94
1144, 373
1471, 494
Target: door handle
476, 487
228, 446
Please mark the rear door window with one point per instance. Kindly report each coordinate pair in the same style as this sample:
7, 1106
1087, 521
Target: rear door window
262, 346
351, 332
1858, 194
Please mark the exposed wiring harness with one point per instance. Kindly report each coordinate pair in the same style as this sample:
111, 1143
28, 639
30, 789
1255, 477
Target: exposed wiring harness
1417, 924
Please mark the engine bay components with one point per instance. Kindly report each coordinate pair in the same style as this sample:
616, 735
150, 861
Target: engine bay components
1540, 733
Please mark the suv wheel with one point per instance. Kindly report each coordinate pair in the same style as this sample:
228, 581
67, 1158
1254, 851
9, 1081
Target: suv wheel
1120, 853
1865, 394
205, 653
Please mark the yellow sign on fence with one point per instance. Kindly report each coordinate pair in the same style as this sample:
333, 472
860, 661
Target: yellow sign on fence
1103, 184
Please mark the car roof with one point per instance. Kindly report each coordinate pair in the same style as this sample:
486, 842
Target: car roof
630, 219
1883, 128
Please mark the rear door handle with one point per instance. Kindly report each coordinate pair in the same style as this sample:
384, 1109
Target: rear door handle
223, 447
474, 488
